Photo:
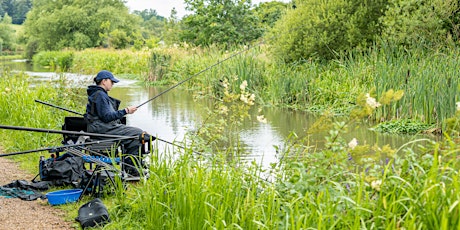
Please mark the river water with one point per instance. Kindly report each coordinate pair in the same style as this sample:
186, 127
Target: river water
172, 114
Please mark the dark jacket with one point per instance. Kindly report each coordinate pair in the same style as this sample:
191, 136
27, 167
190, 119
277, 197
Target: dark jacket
101, 106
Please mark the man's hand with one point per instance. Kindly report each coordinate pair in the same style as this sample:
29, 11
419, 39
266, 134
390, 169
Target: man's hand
131, 109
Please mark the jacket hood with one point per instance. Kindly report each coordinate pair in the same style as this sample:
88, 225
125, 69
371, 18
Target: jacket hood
93, 89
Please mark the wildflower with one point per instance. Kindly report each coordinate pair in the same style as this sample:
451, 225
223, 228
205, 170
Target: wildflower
223, 110
372, 102
376, 184
243, 98
251, 99
261, 119
458, 106
353, 143
7, 90
243, 85
225, 83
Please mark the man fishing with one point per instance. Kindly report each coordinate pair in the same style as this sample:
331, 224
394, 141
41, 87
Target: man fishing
103, 116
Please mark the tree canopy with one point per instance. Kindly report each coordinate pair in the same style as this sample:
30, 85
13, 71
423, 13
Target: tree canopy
226, 22
57, 24
16, 9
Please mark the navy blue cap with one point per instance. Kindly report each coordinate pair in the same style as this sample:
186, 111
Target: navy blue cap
104, 74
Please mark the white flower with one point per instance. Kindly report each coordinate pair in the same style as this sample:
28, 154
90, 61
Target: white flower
223, 110
458, 106
243, 98
262, 119
376, 184
243, 85
353, 143
372, 102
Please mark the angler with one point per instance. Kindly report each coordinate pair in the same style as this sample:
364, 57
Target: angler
104, 116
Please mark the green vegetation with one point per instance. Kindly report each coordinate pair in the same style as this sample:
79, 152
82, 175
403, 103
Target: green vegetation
19, 109
393, 62
344, 186
54, 25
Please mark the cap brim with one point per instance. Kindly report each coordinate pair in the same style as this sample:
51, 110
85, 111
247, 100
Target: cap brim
114, 80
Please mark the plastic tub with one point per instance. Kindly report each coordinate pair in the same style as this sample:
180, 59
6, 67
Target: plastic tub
63, 196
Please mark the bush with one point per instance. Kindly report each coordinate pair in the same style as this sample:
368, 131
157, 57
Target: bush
322, 29
414, 22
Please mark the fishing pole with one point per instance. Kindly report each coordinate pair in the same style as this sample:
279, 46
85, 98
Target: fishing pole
202, 71
58, 107
60, 148
20, 128
83, 134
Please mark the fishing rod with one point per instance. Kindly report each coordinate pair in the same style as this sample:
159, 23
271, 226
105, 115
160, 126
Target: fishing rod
20, 128
84, 134
61, 148
58, 107
202, 71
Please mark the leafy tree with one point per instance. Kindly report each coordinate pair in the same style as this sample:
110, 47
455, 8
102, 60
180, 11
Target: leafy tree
147, 15
17, 9
269, 12
6, 33
172, 29
322, 29
152, 25
426, 22
56, 24
225, 22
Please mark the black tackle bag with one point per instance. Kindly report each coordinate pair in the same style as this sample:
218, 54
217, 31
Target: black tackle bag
64, 170
93, 213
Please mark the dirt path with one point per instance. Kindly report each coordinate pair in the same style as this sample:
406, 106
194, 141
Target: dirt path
18, 214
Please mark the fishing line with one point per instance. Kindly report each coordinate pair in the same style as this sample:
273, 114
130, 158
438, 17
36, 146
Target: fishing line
200, 72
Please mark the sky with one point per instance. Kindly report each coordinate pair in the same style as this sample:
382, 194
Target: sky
164, 7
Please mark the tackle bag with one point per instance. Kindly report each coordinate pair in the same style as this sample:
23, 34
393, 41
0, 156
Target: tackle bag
64, 170
93, 213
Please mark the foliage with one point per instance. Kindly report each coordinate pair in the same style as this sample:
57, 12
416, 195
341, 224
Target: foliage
56, 60
269, 12
91, 61
153, 26
412, 23
18, 108
16, 9
403, 126
322, 29
7, 36
222, 22
229, 110
53, 25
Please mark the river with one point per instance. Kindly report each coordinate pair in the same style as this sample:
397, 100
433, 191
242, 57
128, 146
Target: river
171, 115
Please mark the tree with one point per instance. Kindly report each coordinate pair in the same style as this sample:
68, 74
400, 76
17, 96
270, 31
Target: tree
6, 33
226, 22
56, 24
269, 12
17, 9
152, 24
322, 29
422, 22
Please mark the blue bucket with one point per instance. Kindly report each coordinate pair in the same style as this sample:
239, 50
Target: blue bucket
63, 196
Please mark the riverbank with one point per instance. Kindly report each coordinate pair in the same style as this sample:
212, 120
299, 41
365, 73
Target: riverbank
18, 214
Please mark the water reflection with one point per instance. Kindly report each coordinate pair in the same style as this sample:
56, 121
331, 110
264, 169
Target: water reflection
171, 115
